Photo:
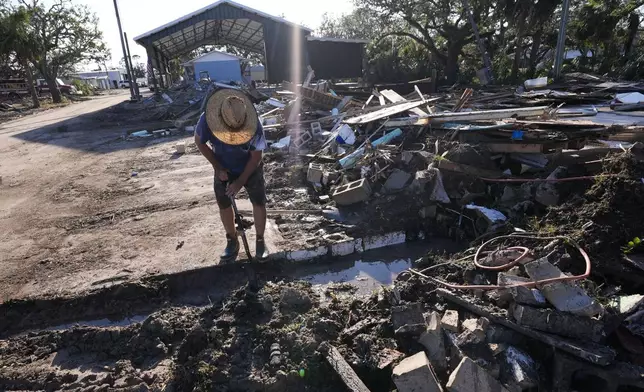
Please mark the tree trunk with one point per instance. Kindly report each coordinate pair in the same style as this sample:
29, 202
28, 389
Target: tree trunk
534, 52
633, 25
518, 51
32, 87
451, 64
56, 96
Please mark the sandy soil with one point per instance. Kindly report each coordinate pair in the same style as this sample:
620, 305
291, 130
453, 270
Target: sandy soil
74, 217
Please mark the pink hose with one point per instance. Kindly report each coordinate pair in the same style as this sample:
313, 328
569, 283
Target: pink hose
583, 253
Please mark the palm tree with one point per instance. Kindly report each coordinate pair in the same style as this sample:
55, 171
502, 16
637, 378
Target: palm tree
17, 40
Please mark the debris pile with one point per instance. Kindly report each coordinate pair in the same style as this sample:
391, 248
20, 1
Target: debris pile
376, 161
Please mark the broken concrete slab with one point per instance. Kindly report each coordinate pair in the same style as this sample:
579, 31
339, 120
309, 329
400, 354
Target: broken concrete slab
626, 304
432, 340
470, 377
410, 314
415, 374
565, 296
560, 323
547, 193
519, 370
449, 321
588, 351
454, 352
354, 192
477, 326
397, 180
522, 295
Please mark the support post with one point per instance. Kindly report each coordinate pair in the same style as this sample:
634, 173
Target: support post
160, 68
151, 72
137, 93
127, 64
561, 40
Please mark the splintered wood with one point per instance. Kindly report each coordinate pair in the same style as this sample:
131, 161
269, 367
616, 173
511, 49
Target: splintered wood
344, 370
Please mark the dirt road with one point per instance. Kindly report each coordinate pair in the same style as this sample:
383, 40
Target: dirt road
82, 207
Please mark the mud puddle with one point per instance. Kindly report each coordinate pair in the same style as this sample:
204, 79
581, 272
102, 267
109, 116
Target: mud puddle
368, 271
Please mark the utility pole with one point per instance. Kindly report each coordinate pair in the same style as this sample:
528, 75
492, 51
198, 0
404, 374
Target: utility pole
129, 57
561, 40
486, 58
127, 63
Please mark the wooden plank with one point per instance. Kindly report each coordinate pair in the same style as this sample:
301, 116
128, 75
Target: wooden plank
395, 98
368, 101
446, 164
594, 353
468, 116
384, 113
344, 370
524, 148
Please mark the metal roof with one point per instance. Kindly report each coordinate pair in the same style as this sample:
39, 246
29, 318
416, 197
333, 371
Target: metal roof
215, 5
224, 22
341, 40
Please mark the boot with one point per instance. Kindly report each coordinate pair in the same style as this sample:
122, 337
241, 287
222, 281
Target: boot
232, 249
261, 249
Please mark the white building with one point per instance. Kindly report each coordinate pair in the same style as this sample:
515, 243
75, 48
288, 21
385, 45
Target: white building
104, 79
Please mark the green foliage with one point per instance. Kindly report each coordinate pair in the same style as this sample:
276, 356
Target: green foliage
411, 38
83, 87
60, 35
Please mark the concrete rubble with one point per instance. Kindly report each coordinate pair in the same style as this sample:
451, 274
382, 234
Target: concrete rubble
527, 195
415, 374
433, 341
469, 376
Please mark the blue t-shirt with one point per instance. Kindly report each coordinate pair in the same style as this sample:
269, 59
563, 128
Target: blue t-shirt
233, 158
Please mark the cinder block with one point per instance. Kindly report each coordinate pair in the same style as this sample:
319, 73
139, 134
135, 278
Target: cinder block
316, 128
303, 138
432, 340
343, 248
414, 374
449, 321
352, 193
469, 377
315, 173
181, 148
307, 254
383, 241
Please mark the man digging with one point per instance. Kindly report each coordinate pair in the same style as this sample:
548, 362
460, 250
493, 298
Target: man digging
231, 125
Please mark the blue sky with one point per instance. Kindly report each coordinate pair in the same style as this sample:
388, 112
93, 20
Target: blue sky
140, 16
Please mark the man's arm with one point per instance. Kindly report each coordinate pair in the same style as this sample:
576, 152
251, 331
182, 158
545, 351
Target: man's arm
251, 166
207, 152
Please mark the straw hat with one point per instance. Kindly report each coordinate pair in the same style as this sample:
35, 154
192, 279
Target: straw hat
231, 117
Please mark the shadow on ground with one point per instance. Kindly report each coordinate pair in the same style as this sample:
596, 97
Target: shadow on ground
103, 131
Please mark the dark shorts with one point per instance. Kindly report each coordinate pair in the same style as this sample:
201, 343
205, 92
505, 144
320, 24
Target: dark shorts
255, 187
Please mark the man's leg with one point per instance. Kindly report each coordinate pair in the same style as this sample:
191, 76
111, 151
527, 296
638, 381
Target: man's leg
259, 214
256, 189
228, 219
